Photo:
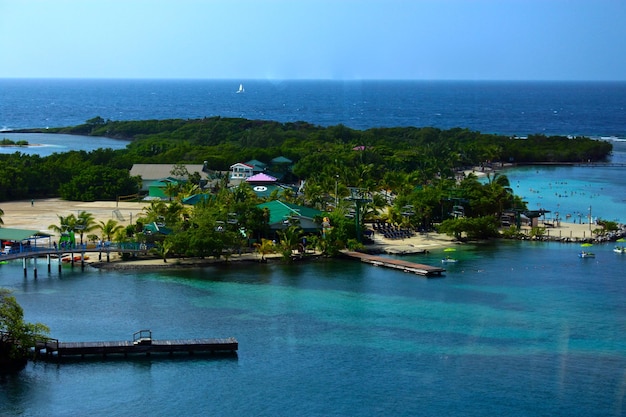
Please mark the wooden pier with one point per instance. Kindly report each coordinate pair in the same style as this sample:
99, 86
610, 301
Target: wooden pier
404, 266
67, 256
142, 343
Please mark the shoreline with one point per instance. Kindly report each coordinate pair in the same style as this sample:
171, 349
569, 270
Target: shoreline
44, 212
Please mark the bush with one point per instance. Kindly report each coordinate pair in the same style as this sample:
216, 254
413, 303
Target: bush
16, 335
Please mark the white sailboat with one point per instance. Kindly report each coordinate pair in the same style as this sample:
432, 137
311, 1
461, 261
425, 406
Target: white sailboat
241, 90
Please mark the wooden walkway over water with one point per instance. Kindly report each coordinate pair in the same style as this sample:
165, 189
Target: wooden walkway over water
142, 343
404, 266
73, 255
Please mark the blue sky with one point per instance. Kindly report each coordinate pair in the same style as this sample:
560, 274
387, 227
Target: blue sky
315, 39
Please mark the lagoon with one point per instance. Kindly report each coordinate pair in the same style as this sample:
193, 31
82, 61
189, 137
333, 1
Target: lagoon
516, 328
44, 144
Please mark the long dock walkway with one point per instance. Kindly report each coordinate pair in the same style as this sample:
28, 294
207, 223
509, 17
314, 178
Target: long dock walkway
71, 256
142, 343
405, 266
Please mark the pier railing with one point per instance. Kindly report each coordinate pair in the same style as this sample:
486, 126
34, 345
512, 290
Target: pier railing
32, 250
142, 344
142, 337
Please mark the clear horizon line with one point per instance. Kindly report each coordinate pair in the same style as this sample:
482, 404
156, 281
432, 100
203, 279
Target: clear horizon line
239, 80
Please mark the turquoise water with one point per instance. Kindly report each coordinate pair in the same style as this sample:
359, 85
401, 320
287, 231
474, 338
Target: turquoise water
514, 329
572, 190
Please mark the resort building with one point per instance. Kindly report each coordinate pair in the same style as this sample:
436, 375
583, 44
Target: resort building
282, 214
156, 177
240, 172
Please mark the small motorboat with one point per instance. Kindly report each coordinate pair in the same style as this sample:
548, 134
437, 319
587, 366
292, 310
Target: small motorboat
584, 254
448, 260
619, 249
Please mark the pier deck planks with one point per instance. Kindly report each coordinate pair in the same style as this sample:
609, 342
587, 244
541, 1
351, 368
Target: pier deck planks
125, 347
405, 266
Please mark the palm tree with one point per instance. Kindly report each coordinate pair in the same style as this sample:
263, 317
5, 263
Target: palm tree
65, 229
176, 212
110, 228
500, 191
187, 189
289, 239
1, 214
85, 223
266, 246
155, 211
171, 189
500, 179
315, 196
66, 224
162, 249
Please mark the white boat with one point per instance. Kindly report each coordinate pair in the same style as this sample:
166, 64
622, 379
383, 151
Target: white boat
447, 260
619, 249
241, 89
584, 254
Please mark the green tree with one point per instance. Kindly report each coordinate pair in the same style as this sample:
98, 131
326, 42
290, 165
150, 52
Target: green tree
98, 183
109, 228
163, 249
85, 223
156, 211
179, 171
67, 224
289, 240
171, 189
265, 247
16, 335
473, 227
96, 121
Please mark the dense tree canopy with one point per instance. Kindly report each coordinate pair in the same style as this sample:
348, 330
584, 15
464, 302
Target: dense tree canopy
378, 157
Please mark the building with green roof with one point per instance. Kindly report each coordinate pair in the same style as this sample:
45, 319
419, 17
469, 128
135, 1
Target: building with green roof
281, 212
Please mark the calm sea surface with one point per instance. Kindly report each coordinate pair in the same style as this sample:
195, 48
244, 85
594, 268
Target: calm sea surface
514, 328
510, 108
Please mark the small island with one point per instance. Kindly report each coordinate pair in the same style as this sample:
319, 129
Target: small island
216, 187
9, 142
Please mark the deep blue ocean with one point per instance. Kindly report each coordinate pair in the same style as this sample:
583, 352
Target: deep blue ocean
508, 108
513, 329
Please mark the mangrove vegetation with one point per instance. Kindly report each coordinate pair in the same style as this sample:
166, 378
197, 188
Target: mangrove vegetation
412, 176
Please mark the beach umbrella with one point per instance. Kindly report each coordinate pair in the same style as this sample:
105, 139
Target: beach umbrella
586, 245
449, 250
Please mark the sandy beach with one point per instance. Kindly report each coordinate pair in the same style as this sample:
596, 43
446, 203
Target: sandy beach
42, 213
